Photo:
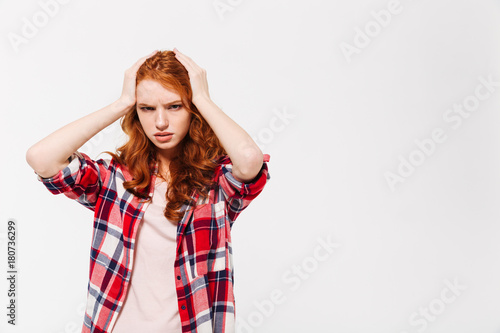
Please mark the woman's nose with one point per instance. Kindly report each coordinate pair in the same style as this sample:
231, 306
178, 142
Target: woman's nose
161, 119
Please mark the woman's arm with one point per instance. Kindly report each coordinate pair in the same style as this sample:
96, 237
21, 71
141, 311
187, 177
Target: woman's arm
51, 154
246, 156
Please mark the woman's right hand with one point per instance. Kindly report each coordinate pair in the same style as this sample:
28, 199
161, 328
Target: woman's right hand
128, 96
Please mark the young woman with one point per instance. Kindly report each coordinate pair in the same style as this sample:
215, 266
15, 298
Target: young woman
161, 254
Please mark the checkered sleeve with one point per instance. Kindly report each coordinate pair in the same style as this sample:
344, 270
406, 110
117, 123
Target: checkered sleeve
238, 195
80, 180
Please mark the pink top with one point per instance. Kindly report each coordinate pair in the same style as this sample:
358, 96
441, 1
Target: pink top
151, 302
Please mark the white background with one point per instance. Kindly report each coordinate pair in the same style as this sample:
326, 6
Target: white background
349, 121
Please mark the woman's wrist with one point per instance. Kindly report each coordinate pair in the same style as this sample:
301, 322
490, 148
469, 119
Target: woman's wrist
200, 100
122, 106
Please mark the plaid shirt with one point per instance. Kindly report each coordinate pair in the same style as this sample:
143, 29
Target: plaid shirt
203, 263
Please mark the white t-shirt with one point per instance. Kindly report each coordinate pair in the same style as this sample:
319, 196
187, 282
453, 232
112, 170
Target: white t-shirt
151, 302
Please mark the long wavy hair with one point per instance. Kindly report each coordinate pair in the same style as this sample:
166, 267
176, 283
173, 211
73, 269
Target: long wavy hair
193, 167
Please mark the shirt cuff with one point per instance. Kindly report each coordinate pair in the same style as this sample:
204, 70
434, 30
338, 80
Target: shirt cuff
254, 186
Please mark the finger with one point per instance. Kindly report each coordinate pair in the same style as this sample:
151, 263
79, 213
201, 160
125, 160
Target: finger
186, 61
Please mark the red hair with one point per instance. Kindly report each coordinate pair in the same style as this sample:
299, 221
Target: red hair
192, 169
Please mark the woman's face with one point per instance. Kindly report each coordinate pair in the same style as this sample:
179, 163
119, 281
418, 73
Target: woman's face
163, 117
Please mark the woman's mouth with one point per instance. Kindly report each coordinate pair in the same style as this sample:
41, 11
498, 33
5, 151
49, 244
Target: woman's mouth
164, 137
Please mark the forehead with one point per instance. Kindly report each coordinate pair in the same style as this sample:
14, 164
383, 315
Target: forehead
152, 92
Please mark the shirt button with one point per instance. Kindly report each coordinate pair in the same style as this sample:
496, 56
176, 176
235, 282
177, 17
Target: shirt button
178, 277
183, 307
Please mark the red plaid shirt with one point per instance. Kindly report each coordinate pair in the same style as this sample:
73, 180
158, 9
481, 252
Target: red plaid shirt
203, 264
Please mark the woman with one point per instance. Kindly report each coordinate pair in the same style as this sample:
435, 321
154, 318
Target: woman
161, 255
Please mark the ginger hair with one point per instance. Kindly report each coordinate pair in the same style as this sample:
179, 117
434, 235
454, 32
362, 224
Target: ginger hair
192, 169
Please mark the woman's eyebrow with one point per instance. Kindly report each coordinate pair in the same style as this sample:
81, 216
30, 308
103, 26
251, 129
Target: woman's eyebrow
146, 104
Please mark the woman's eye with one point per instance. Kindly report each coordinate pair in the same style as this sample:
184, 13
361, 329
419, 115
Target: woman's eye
172, 107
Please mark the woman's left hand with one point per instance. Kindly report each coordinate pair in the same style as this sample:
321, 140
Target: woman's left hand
197, 76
